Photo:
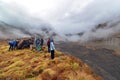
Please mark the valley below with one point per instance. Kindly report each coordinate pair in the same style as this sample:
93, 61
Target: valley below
105, 61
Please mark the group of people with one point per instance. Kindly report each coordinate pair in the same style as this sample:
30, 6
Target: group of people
20, 44
29, 43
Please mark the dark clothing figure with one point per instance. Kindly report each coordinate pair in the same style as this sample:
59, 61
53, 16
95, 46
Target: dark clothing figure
42, 41
24, 44
48, 44
20, 44
31, 41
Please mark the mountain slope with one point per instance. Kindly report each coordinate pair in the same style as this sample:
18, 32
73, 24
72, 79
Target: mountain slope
31, 65
99, 31
103, 61
36, 28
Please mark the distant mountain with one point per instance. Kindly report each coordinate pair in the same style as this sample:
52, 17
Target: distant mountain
35, 27
100, 31
16, 31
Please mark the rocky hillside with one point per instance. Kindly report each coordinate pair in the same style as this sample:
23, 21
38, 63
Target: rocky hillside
31, 65
112, 43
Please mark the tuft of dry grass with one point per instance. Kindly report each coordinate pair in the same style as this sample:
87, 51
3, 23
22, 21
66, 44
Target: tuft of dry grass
29, 64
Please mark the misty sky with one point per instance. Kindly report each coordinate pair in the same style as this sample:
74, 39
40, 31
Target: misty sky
65, 16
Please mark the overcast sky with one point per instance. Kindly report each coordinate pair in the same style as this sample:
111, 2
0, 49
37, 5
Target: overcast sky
66, 16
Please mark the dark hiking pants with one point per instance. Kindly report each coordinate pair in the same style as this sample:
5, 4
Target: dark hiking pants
49, 48
11, 48
52, 54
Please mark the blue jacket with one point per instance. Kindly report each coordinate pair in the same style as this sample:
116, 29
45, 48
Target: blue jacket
13, 43
52, 47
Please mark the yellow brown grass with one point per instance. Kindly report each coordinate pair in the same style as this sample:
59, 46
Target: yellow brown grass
31, 65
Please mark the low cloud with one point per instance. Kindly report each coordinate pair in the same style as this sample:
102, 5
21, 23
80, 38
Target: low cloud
16, 23
63, 17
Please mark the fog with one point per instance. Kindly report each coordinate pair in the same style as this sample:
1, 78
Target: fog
15, 22
62, 17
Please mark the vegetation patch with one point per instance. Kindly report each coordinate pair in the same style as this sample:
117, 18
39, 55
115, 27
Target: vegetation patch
29, 64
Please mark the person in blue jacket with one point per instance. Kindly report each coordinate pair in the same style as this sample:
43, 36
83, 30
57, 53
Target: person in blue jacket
52, 48
13, 45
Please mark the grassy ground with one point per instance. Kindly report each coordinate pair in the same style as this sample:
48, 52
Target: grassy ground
31, 65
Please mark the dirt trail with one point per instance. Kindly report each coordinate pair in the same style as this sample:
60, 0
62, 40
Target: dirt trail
104, 62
